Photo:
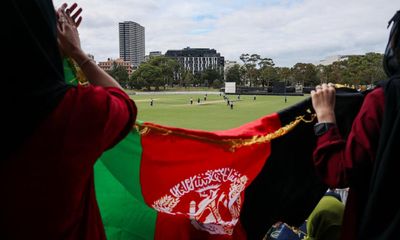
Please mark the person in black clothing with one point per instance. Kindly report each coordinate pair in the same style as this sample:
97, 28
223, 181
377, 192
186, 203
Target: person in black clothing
367, 160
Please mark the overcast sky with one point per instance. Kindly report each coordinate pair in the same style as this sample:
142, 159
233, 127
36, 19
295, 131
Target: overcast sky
288, 31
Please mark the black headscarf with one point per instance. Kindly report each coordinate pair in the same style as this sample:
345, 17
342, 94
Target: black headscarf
382, 212
391, 59
35, 81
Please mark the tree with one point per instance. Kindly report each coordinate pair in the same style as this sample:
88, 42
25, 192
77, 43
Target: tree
149, 75
245, 58
305, 73
120, 74
266, 62
188, 79
361, 69
217, 84
198, 80
284, 74
244, 69
372, 68
233, 74
168, 67
267, 71
209, 76
249, 65
254, 59
351, 75
337, 73
136, 81
322, 73
268, 74
252, 71
243, 75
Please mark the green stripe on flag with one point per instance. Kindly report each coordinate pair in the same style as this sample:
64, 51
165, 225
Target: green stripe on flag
124, 217
69, 74
123, 161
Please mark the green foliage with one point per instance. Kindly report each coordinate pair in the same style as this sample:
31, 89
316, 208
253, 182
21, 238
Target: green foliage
120, 74
284, 74
256, 71
360, 69
188, 79
217, 84
266, 62
305, 73
148, 75
233, 74
372, 70
250, 71
167, 66
267, 72
158, 71
209, 75
136, 81
268, 75
355, 70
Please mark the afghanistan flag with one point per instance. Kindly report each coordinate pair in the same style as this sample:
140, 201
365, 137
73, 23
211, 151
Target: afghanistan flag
170, 183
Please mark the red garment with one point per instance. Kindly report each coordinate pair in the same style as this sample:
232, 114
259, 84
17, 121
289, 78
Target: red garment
47, 187
337, 160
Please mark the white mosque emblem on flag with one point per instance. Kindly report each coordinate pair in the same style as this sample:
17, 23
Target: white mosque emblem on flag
215, 200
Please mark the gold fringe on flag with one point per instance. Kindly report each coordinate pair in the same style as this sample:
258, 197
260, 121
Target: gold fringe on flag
80, 76
233, 143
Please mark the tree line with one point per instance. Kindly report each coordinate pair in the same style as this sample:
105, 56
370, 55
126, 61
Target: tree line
255, 71
352, 70
161, 72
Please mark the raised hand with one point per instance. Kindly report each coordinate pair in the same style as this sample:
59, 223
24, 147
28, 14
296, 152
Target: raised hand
75, 16
69, 11
68, 36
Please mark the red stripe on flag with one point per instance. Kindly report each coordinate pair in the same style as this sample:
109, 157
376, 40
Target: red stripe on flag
200, 182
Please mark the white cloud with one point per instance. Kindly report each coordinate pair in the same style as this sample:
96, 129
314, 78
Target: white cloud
287, 31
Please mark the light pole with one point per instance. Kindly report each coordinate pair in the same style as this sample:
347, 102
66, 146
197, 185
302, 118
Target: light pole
284, 91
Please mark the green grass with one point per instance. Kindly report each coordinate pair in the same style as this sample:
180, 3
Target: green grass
213, 114
177, 89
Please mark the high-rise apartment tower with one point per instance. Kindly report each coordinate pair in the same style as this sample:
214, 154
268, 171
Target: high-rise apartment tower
131, 42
